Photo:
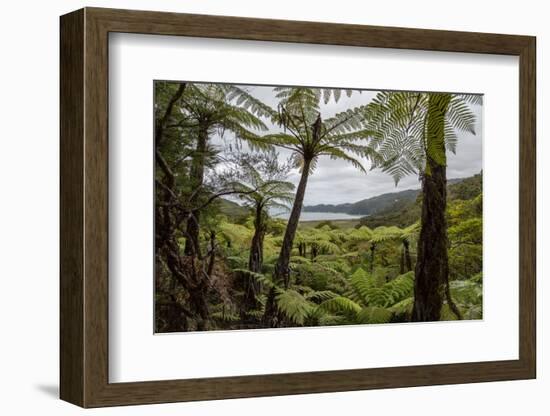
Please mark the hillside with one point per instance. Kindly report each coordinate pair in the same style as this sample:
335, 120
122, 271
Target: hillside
404, 213
368, 206
232, 209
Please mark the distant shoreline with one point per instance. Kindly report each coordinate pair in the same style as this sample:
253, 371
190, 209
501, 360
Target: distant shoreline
321, 216
347, 223
334, 220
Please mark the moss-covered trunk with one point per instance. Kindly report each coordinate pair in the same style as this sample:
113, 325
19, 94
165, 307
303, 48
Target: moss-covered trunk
432, 264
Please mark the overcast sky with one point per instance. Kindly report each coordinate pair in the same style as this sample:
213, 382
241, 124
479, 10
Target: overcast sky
337, 182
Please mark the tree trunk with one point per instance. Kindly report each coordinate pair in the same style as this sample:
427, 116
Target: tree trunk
432, 257
402, 261
172, 313
196, 179
199, 278
255, 260
407, 256
314, 251
251, 285
198, 300
372, 250
302, 249
161, 122
282, 269
212, 257
272, 317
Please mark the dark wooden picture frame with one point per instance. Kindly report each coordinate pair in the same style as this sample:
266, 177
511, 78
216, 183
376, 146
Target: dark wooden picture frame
84, 207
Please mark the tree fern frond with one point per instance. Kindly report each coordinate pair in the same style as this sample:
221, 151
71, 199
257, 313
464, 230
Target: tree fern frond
337, 153
294, 306
362, 283
374, 315
265, 280
460, 115
403, 306
340, 304
243, 99
321, 295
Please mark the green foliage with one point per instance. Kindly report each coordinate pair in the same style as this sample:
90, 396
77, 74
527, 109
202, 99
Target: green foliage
327, 223
466, 189
382, 234
466, 292
238, 235
400, 122
225, 316
362, 283
391, 292
263, 279
465, 233
401, 214
403, 307
341, 136
374, 315
340, 304
232, 210
294, 305
460, 194
318, 240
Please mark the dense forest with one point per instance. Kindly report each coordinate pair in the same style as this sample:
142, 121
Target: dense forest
224, 261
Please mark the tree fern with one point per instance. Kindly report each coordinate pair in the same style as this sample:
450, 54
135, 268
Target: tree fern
374, 315
340, 304
385, 295
320, 295
403, 307
399, 120
294, 306
466, 292
362, 283
264, 280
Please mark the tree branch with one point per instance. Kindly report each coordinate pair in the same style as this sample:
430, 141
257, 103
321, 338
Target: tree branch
159, 128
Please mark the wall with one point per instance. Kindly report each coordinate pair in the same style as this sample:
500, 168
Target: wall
29, 211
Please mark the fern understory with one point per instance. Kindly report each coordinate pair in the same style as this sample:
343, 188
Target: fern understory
334, 280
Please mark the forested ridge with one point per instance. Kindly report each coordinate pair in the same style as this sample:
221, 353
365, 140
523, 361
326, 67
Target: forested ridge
404, 212
390, 202
223, 262
369, 206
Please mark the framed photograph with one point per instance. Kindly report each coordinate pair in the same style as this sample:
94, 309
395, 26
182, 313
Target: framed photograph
260, 207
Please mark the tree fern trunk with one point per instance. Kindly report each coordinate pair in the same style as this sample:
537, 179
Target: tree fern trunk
314, 251
282, 270
255, 262
407, 255
212, 257
402, 261
272, 316
255, 259
302, 249
432, 256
